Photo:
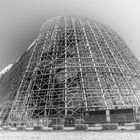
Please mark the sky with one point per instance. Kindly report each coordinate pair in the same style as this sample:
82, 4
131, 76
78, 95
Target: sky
20, 21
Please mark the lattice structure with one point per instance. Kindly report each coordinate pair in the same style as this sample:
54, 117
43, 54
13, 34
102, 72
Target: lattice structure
75, 65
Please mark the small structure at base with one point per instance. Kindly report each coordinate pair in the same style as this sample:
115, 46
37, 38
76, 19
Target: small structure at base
6, 127
122, 115
58, 127
93, 117
20, 127
29, 125
137, 126
109, 126
38, 127
81, 127
69, 122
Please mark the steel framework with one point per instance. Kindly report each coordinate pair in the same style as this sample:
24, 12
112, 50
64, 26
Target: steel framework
76, 64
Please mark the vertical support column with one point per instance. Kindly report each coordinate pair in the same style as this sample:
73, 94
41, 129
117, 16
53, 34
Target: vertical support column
95, 67
80, 67
66, 107
108, 115
114, 60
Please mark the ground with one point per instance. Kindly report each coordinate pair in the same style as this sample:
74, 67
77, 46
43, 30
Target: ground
70, 135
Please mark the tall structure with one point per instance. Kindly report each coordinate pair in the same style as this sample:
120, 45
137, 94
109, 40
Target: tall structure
76, 64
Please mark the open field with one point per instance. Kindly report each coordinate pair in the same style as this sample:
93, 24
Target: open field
70, 135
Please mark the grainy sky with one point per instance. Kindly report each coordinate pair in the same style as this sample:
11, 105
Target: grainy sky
20, 21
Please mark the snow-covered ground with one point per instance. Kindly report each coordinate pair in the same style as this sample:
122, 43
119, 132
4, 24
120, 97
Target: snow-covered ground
71, 135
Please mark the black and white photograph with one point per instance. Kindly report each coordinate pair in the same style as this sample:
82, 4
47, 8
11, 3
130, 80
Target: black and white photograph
69, 70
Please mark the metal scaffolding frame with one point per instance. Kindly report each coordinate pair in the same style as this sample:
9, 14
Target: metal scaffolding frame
75, 65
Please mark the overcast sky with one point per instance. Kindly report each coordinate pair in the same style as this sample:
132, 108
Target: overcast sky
20, 21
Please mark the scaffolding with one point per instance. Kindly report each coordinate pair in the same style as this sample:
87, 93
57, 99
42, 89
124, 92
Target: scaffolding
75, 65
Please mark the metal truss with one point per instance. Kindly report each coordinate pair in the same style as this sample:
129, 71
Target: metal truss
76, 65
